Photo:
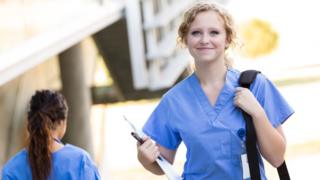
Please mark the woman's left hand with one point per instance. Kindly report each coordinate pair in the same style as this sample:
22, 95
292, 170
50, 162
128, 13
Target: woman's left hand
245, 100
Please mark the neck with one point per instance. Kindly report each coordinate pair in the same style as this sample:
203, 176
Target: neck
56, 143
214, 72
55, 146
57, 140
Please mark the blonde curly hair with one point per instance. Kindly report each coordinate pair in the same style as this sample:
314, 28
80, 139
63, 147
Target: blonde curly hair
190, 15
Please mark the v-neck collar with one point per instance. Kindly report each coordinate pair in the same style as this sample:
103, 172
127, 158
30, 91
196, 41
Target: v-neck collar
224, 96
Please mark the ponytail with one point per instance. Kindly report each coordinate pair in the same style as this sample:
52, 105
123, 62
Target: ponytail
47, 108
39, 153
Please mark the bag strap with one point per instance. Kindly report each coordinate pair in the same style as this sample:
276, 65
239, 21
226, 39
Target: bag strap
283, 171
245, 80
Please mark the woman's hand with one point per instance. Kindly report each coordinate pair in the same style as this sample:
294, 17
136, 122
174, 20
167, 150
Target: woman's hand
148, 152
266, 133
245, 100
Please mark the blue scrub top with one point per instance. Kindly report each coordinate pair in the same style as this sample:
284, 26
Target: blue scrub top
211, 133
69, 163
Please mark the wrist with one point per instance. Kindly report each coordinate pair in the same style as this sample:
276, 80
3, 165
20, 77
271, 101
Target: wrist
259, 113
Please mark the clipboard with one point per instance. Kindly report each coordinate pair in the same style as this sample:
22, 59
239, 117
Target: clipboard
166, 167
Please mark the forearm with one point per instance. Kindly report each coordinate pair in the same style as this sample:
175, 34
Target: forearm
148, 152
271, 142
153, 167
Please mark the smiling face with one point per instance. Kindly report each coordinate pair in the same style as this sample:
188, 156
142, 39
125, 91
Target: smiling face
206, 38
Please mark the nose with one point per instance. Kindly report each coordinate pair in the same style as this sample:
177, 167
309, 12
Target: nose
204, 39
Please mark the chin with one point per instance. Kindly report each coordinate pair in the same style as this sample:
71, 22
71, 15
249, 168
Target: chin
206, 59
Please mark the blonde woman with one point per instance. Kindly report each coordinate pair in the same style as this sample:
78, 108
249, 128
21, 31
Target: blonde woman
204, 110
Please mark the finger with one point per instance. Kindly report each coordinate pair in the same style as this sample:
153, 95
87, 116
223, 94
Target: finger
153, 153
151, 147
155, 149
239, 89
238, 92
236, 101
147, 144
144, 139
236, 98
156, 154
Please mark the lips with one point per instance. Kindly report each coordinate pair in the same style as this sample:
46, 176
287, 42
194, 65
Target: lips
204, 49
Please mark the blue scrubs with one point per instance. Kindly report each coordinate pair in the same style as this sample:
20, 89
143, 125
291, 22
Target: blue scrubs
69, 163
211, 133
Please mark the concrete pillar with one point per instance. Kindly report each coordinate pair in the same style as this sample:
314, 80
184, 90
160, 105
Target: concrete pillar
78, 97
11, 129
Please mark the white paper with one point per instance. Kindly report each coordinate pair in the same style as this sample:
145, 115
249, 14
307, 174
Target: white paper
168, 169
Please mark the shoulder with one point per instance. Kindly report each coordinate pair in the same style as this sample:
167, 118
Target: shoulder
74, 159
17, 159
73, 155
16, 163
73, 148
260, 79
72, 151
260, 76
261, 82
180, 88
233, 74
262, 87
87, 165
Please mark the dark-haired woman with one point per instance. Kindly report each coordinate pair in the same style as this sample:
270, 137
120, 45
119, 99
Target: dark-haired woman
45, 156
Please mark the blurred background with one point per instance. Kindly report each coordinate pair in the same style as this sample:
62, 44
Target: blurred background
117, 57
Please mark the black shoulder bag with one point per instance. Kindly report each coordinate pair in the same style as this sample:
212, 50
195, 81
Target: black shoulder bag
246, 78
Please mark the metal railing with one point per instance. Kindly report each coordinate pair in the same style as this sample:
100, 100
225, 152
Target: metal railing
157, 62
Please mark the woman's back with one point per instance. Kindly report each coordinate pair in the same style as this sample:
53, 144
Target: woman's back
70, 162
45, 156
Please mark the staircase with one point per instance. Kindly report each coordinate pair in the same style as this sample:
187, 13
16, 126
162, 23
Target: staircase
140, 51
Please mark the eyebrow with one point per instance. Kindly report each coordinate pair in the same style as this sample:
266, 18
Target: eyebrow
210, 29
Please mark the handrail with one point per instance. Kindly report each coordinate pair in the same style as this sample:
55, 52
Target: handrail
27, 55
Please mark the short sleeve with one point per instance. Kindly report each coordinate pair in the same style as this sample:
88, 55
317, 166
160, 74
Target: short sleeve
5, 175
89, 170
276, 107
159, 128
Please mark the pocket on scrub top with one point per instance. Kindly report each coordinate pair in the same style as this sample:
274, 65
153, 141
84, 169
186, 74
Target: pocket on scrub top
223, 149
237, 148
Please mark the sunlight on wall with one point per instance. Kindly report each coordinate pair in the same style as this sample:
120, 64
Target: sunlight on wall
258, 38
101, 75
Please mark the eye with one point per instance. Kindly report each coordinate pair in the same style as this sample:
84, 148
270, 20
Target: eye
195, 33
214, 32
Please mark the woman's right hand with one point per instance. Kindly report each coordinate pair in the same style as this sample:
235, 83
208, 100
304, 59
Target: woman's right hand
148, 152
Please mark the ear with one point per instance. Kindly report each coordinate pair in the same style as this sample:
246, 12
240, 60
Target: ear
228, 42
61, 122
185, 42
227, 46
